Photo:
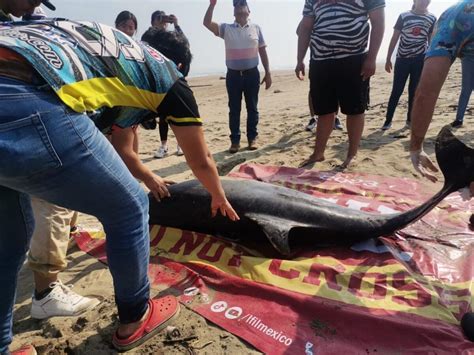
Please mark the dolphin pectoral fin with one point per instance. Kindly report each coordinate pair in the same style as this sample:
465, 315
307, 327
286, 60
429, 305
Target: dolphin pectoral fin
276, 229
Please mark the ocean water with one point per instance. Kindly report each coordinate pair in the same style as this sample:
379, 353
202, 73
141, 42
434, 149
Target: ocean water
277, 18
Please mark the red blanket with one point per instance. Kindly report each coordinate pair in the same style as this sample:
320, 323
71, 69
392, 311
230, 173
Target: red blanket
402, 293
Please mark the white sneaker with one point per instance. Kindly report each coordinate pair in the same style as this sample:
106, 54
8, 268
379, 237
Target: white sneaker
179, 151
61, 301
161, 152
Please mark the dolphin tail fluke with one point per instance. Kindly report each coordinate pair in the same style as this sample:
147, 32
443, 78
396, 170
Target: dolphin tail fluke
455, 159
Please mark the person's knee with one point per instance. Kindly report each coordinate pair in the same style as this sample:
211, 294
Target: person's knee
137, 206
143, 202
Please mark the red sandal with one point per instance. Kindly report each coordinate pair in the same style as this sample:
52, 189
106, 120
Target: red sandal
25, 350
161, 312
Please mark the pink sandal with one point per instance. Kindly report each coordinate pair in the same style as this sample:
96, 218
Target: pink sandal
161, 312
25, 350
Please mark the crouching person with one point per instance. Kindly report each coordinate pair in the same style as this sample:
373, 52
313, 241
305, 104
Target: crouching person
50, 148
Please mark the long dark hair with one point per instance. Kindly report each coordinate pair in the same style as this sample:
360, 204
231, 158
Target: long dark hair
125, 16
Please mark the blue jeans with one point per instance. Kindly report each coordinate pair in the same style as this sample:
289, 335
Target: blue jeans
467, 86
248, 83
58, 155
404, 68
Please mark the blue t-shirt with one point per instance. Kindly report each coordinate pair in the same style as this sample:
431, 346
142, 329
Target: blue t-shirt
454, 33
92, 67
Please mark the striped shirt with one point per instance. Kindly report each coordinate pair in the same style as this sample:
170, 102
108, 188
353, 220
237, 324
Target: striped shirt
94, 68
341, 27
241, 44
415, 31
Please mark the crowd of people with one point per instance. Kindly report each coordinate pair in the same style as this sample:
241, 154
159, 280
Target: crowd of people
71, 110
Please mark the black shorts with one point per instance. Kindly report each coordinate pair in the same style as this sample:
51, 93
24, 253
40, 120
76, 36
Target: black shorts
337, 83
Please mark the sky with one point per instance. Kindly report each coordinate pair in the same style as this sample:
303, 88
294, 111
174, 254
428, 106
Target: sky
277, 18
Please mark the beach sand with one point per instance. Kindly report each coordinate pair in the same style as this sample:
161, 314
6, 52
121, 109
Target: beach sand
283, 142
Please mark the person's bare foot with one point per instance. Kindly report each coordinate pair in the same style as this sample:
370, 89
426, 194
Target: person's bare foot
311, 160
350, 161
125, 330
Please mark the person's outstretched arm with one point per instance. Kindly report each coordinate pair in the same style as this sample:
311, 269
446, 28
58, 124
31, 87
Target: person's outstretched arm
123, 140
435, 71
207, 22
191, 140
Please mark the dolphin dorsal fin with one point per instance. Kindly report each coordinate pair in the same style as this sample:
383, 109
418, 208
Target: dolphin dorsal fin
276, 229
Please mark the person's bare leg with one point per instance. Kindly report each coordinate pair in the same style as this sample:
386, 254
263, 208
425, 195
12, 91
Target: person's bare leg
135, 141
355, 128
42, 281
310, 104
323, 132
125, 330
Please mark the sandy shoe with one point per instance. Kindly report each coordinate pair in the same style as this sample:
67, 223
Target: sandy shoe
337, 124
387, 125
456, 124
161, 312
62, 302
234, 148
311, 126
253, 145
161, 152
25, 350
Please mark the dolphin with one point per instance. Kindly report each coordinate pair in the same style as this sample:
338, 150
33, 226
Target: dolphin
291, 220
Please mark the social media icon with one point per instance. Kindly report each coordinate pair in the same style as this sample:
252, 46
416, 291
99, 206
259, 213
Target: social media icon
191, 291
233, 313
219, 307
205, 298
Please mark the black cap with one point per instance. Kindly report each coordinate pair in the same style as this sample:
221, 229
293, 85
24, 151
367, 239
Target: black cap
240, 3
48, 4
155, 15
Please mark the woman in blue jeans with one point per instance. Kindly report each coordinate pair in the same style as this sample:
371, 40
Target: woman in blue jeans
466, 89
414, 29
50, 148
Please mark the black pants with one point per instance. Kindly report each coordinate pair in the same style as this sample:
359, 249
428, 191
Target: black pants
404, 68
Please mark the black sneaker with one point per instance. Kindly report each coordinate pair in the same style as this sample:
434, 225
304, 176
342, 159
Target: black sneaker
337, 124
456, 124
387, 125
311, 124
